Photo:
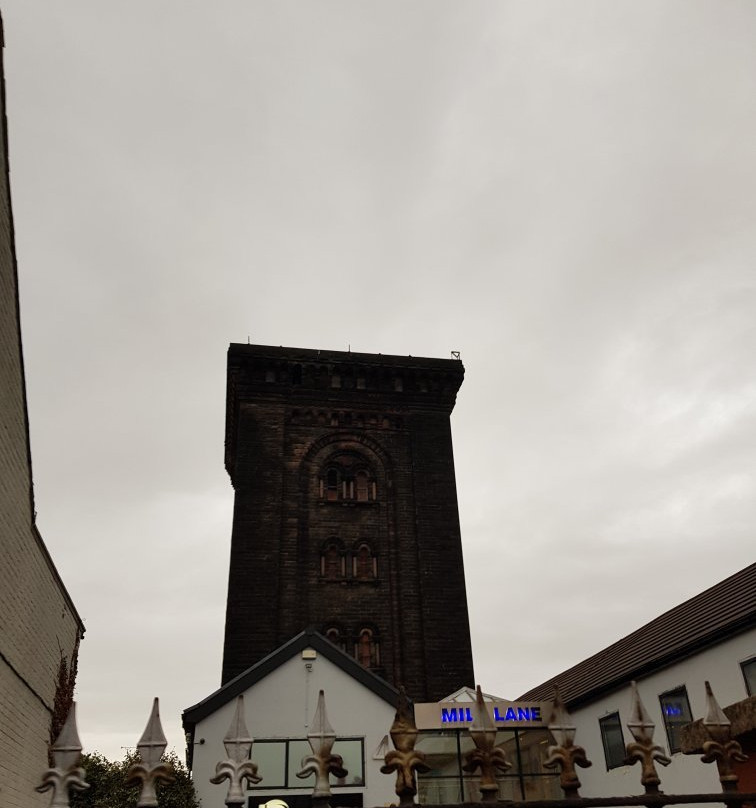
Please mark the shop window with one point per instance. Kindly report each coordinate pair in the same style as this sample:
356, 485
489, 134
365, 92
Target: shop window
749, 674
332, 562
614, 743
281, 760
364, 564
675, 709
367, 650
447, 783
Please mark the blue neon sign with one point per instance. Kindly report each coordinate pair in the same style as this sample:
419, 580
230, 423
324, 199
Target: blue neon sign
463, 715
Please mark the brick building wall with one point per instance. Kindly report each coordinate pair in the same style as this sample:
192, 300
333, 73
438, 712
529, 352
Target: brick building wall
37, 619
345, 515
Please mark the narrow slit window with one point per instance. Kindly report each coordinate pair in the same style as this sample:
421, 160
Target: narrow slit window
332, 563
363, 567
367, 649
332, 484
362, 486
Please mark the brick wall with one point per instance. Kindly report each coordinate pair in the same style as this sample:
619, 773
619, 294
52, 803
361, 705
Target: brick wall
37, 620
291, 415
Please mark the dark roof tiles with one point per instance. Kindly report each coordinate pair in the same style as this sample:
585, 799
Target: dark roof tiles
725, 609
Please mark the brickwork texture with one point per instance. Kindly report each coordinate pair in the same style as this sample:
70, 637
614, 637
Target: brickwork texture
330, 452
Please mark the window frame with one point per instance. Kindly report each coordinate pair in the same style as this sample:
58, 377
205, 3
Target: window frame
330, 550
604, 722
296, 784
672, 728
372, 563
373, 644
745, 666
347, 477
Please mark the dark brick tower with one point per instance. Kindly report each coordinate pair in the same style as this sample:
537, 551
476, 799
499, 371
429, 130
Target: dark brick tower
345, 516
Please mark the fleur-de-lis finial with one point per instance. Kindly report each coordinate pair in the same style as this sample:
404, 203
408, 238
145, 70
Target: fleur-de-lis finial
404, 759
486, 756
238, 769
66, 775
565, 755
644, 749
721, 748
151, 770
321, 762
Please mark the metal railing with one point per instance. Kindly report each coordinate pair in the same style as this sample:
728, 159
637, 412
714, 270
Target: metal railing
485, 759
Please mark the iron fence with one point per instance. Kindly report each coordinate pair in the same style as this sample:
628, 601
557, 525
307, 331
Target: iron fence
486, 760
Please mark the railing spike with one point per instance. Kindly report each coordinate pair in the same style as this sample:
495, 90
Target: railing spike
66, 775
643, 749
721, 748
321, 762
151, 770
486, 756
565, 754
238, 769
404, 759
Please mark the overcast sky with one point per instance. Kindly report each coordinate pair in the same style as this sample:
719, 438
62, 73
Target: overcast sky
564, 192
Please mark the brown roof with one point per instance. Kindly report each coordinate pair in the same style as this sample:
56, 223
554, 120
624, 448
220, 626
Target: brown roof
726, 609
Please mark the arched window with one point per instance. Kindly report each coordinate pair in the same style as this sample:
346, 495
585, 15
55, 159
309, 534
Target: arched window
347, 478
366, 649
332, 562
364, 565
335, 635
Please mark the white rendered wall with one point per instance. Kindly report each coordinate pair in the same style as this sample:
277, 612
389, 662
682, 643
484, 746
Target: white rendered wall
719, 665
281, 706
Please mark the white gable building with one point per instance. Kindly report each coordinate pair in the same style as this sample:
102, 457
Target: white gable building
280, 698
711, 637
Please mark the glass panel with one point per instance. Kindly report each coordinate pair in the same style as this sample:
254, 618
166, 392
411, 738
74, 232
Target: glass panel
297, 751
676, 711
508, 742
542, 788
533, 746
509, 788
270, 757
351, 750
441, 754
438, 790
466, 745
471, 788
